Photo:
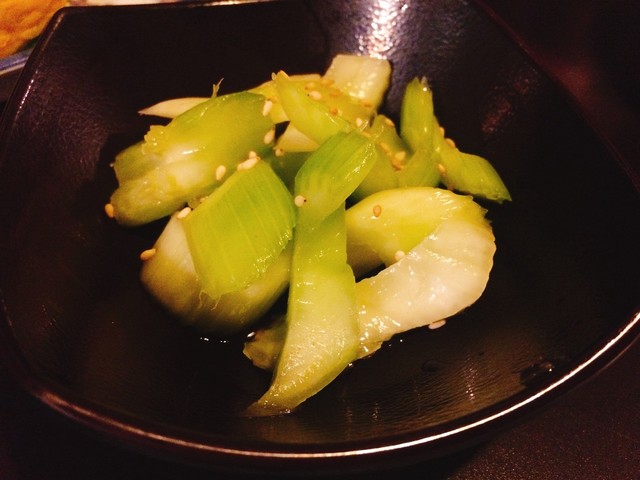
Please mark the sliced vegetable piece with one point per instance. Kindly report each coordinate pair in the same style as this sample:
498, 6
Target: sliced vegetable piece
417, 118
269, 91
441, 276
240, 229
463, 172
388, 223
182, 295
468, 173
421, 170
293, 140
332, 173
173, 107
286, 165
322, 335
309, 115
263, 346
183, 159
364, 77
132, 162
388, 152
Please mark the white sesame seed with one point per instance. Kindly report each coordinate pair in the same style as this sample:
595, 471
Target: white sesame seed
269, 136
437, 324
110, 210
253, 154
279, 152
389, 122
299, 200
184, 212
147, 254
248, 163
398, 255
221, 171
451, 142
400, 155
316, 95
266, 108
359, 122
441, 169
377, 210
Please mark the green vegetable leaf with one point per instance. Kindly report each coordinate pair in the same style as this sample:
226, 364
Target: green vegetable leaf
240, 229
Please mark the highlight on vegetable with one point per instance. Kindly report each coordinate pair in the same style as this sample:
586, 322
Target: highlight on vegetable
300, 188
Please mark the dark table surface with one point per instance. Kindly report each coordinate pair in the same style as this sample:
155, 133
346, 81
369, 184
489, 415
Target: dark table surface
593, 432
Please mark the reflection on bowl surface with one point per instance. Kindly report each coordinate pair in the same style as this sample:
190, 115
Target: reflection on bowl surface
84, 336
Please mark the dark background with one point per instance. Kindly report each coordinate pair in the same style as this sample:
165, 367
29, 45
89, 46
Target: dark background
592, 48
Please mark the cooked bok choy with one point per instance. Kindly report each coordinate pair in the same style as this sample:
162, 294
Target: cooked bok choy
301, 187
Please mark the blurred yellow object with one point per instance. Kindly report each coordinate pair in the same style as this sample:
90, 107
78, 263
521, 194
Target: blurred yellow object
24, 20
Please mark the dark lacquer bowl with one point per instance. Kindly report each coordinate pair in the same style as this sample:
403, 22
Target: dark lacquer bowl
82, 335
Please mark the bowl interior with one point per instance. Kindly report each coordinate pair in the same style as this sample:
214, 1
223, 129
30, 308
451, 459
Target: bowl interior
93, 344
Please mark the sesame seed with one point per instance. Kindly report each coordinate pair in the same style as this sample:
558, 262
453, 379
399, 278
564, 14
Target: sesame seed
442, 131
385, 146
398, 255
220, 172
299, 200
377, 210
269, 136
451, 142
253, 154
397, 165
266, 108
316, 95
441, 169
400, 155
389, 122
437, 324
279, 152
110, 210
359, 122
184, 212
147, 254
248, 163
310, 85
327, 81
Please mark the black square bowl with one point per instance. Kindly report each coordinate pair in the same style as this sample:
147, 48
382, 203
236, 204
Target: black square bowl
81, 334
